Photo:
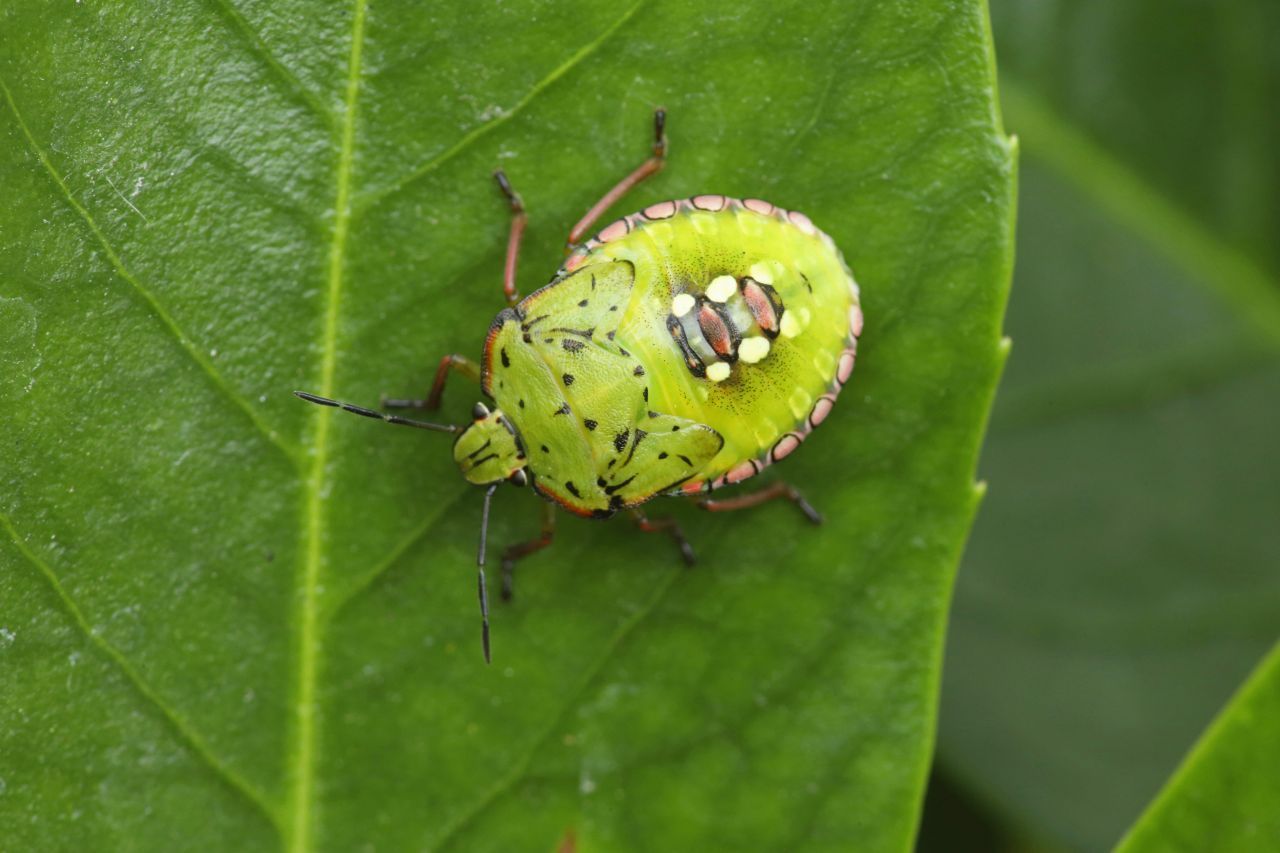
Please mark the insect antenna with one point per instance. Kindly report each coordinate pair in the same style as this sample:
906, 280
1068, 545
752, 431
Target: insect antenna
484, 595
370, 413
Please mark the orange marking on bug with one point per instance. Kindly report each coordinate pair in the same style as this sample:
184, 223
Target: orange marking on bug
821, 409
661, 210
693, 487
715, 331
760, 306
614, 230
845, 369
802, 222
709, 202
785, 446
855, 321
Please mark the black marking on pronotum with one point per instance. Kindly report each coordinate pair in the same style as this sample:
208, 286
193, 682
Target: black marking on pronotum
568, 378
616, 503
593, 285
572, 345
601, 482
535, 321
590, 424
563, 410
515, 435
646, 394
691, 358
573, 490
578, 333
474, 453
640, 434
639, 371
522, 404
805, 279
609, 490
662, 455
481, 461
685, 459
620, 440
546, 449
506, 360
582, 304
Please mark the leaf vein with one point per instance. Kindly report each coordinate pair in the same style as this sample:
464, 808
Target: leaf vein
274, 65
165, 318
186, 732
301, 756
373, 197
380, 567
521, 767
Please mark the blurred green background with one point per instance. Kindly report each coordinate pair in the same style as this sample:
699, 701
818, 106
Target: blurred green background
1121, 579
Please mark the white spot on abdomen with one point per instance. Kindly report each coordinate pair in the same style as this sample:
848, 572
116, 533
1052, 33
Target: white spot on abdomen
789, 325
721, 288
753, 349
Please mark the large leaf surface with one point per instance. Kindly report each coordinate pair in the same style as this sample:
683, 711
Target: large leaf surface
1121, 582
1224, 795
230, 618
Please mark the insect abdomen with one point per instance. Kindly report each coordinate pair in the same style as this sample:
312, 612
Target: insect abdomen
745, 317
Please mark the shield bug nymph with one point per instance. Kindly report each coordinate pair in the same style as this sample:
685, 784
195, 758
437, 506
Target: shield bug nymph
683, 348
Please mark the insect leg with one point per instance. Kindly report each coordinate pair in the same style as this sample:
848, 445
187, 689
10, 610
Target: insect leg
671, 528
518, 220
649, 167
457, 363
768, 493
520, 550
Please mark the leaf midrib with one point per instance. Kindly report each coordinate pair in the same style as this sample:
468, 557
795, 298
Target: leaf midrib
301, 755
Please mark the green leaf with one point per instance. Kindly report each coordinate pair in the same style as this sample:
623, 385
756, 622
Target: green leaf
1121, 580
1224, 795
234, 619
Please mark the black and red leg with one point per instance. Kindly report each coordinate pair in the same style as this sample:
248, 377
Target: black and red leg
762, 495
670, 527
519, 218
520, 550
450, 363
651, 166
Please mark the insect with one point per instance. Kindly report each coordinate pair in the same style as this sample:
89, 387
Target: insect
681, 349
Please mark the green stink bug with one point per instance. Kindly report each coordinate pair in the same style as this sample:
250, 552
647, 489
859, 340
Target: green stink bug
683, 348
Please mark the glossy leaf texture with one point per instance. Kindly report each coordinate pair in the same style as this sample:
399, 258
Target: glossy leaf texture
232, 619
1121, 581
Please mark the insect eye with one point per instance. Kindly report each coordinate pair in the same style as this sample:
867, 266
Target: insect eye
480, 411
519, 478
